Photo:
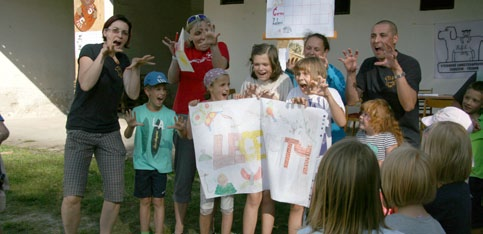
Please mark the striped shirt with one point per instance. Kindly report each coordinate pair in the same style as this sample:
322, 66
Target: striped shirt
378, 143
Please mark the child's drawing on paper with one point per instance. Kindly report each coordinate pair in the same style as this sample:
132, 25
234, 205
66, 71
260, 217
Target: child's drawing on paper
251, 146
325, 125
292, 150
205, 182
269, 111
224, 186
225, 138
206, 115
245, 134
251, 178
204, 157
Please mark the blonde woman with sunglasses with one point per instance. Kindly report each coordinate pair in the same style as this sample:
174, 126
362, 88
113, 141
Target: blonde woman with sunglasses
204, 52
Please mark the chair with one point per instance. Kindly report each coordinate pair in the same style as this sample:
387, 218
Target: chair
421, 102
230, 94
352, 117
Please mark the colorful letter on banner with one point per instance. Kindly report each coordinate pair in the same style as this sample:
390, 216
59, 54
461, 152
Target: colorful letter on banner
292, 137
250, 145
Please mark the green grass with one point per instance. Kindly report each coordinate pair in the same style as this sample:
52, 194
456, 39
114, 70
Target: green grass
35, 197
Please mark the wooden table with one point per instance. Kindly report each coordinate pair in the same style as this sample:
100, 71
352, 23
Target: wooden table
424, 96
433, 100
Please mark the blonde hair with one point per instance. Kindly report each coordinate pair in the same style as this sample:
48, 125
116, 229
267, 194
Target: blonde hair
195, 24
407, 178
449, 148
382, 118
346, 197
312, 65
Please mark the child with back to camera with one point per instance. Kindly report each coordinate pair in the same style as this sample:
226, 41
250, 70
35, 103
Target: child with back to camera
266, 80
4, 185
314, 91
472, 103
378, 128
449, 148
217, 83
346, 192
408, 182
153, 144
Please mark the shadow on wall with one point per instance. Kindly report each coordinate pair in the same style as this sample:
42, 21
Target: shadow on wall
36, 43
30, 90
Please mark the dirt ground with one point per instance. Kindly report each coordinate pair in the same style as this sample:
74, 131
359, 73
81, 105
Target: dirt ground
46, 133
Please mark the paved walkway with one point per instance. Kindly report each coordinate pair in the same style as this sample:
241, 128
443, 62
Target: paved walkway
46, 133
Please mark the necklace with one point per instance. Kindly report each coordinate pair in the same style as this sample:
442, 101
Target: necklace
119, 71
118, 67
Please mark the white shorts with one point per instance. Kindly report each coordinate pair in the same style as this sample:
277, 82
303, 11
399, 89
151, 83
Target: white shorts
207, 205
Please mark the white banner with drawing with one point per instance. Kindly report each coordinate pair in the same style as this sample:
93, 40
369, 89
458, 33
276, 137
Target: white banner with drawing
458, 49
250, 145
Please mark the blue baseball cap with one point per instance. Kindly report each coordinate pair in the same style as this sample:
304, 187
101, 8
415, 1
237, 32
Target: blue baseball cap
154, 78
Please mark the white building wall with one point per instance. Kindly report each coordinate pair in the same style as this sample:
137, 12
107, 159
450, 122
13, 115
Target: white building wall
242, 25
37, 53
37, 56
36, 62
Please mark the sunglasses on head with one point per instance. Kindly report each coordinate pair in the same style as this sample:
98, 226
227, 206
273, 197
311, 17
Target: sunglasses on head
194, 18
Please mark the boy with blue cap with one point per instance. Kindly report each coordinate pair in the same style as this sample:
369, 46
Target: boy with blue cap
153, 143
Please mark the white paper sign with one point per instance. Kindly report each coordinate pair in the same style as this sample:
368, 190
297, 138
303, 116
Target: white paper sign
250, 145
295, 18
458, 50
183, 61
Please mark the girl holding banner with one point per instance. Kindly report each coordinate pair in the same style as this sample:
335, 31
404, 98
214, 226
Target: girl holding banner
313, 90
266, 80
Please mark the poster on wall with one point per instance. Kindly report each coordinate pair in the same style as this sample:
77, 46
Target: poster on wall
295, 18
458, 49
289, 49
250, 145
89, 18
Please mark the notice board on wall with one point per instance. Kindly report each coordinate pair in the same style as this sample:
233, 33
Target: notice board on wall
458, 49
291, 19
